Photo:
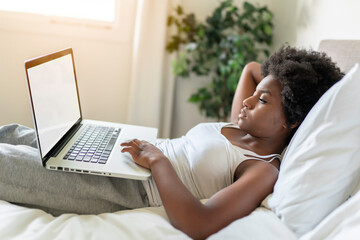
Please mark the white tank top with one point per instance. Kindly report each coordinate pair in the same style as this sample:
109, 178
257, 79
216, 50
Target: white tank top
204, 160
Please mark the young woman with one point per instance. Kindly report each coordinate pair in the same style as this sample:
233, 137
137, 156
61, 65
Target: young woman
236, 165
233, 165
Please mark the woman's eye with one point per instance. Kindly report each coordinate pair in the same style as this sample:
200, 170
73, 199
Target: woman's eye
262, 100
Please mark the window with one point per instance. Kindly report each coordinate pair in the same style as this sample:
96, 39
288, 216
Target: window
99, 10
110, 20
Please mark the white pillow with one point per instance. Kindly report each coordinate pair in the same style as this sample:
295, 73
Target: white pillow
321, 165
342, 223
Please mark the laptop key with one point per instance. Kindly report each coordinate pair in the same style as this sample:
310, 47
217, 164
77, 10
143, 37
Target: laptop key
111, 144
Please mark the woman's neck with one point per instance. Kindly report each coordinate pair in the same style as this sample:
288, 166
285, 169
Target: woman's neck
264, 146
261, 146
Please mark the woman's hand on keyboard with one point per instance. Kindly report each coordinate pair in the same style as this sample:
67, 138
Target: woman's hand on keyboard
143, 153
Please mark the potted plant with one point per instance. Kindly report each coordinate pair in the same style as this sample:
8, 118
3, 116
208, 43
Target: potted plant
220, 49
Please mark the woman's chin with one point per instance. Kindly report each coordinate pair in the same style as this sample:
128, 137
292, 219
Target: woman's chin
240, 122
241, 126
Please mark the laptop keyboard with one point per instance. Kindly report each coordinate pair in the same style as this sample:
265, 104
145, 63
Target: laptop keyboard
93, 145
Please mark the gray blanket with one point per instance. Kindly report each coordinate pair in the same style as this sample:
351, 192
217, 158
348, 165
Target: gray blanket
24, 181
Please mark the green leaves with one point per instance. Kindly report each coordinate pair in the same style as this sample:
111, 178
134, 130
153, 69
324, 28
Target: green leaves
180, 66
248, 7
220, 47
268, 30
179, 10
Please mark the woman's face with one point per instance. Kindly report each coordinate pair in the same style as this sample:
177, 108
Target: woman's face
262, 114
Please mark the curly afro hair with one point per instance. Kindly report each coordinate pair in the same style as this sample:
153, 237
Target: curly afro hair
304, 75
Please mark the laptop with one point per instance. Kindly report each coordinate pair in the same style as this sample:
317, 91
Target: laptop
66, 141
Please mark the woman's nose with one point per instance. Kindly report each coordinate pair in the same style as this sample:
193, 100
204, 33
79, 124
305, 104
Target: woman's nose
248, 102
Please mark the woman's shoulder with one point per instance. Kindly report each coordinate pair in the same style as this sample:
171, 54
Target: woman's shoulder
213, 124
208, 126
271, 169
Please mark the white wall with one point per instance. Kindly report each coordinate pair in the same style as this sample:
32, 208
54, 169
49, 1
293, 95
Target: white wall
103, 66
306, 22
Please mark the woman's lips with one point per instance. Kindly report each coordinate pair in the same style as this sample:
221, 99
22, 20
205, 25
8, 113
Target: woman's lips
242, 113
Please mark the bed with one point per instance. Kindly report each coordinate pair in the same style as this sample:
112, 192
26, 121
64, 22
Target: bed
316, 196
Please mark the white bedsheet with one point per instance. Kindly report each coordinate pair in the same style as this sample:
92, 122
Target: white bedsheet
152, 223
261, 224
342, 223
146, 223
24, 223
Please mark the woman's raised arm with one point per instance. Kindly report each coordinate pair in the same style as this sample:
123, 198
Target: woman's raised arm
250, 78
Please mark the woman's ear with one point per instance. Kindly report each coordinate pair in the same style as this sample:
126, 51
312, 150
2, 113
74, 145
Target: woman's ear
292, 126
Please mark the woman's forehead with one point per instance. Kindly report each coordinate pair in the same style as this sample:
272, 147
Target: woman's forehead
270, 84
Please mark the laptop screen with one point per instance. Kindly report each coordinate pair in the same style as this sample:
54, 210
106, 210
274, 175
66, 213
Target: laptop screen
54, 98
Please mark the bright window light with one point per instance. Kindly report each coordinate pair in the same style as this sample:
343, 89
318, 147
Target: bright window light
99, 10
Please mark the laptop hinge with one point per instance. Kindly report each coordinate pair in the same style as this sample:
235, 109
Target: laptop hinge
62, 143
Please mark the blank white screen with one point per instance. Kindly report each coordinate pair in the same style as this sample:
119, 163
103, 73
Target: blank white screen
55, 100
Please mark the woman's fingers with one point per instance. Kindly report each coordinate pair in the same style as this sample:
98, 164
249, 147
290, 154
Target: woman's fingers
134, 147
132, 143
132, 151
137, 141
142, 152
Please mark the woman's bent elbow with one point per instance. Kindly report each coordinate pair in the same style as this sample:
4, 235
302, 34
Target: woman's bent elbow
195, 229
